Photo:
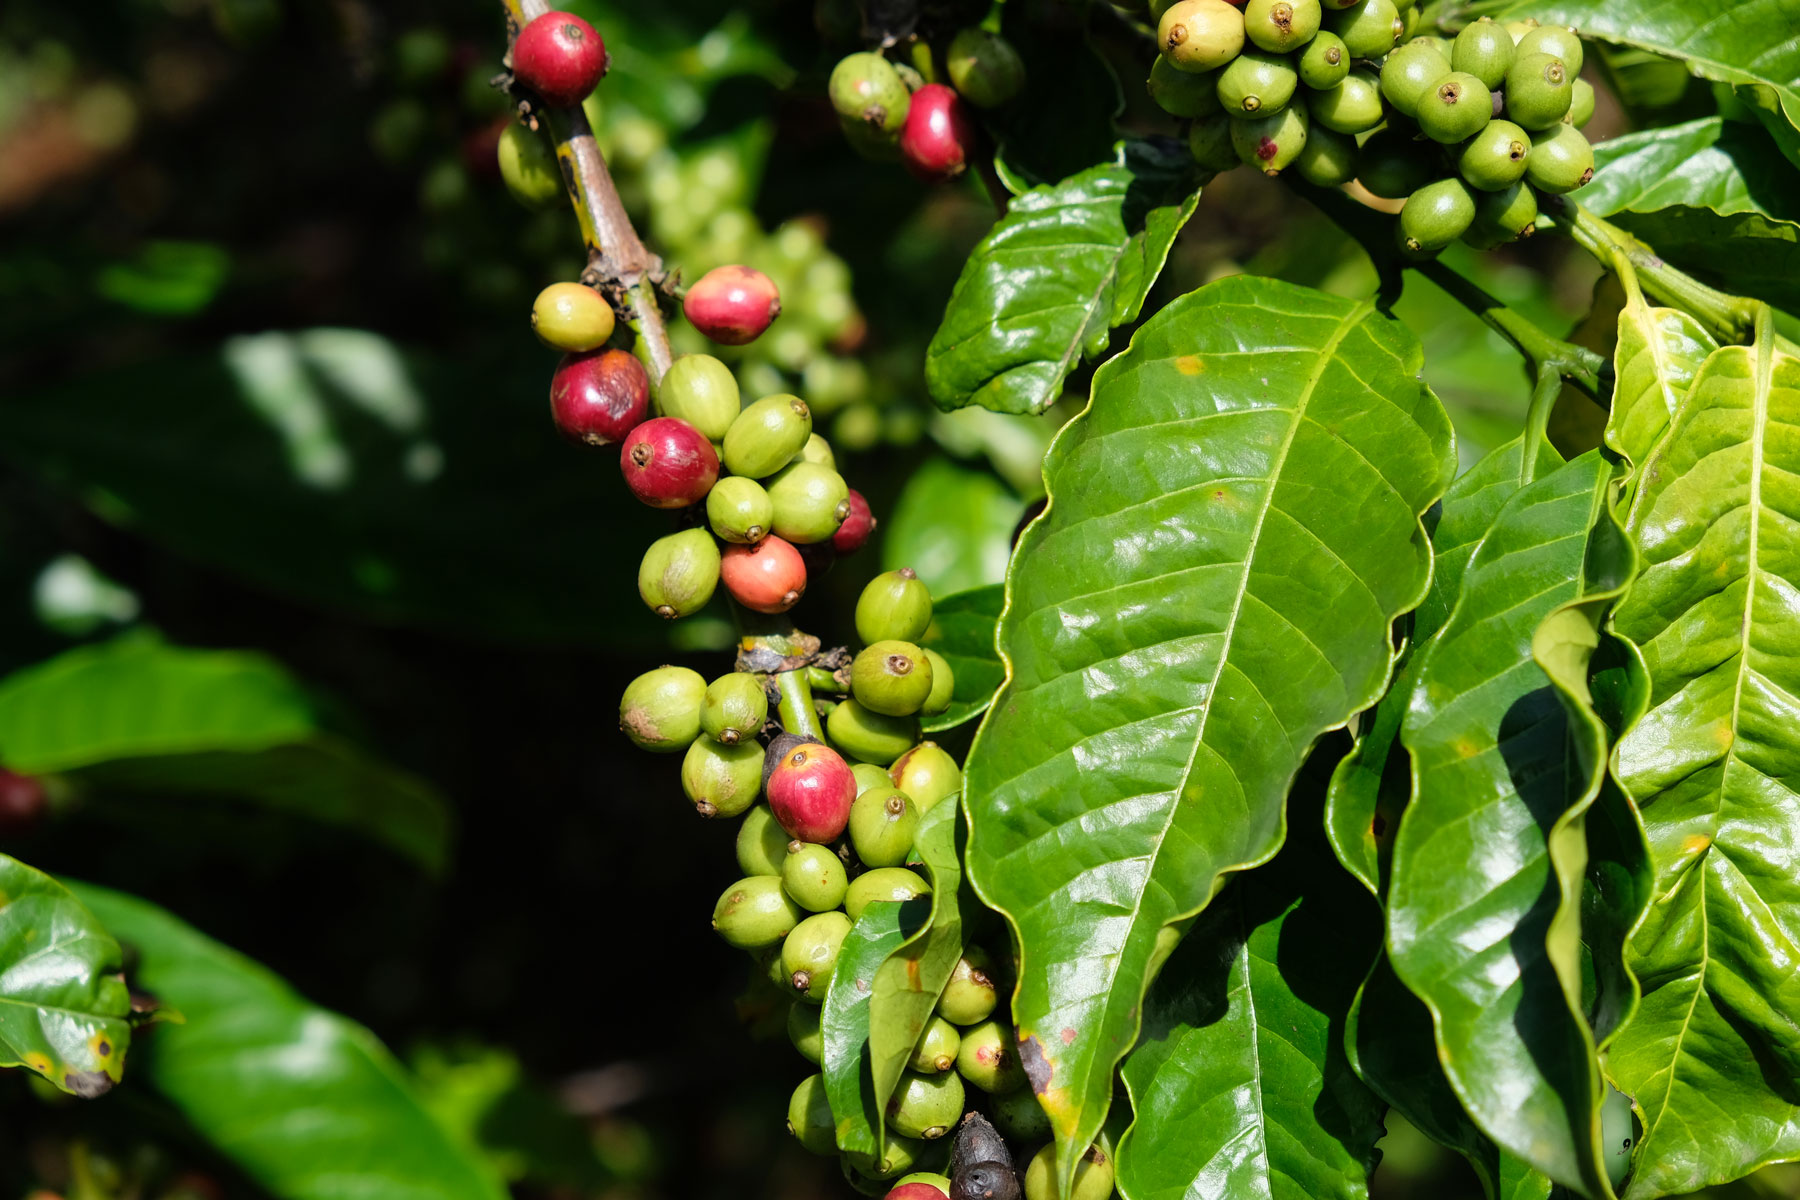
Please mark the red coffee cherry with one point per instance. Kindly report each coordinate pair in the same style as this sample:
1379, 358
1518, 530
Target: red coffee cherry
767, 577
810, 791
732, 305
23, 804
854, 532
668, 463
939, 135
560, 57
599, 396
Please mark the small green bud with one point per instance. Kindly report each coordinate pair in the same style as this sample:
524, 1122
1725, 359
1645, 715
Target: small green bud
936, 1048
767, 435
984, 67
927, 773
679, 573
809, 501
735, 708
891, 677
1485, 50
1324, 62
970, 996
721, 780
1561, 160
755, 912
988, 1058
926, 1106
809, 1116
883, 883
814, 876
943, 684
803, 1031
882, 824
739, 510
761, 843
810, 954
895, 606
700, 390
660, 710
870, 736
1093, 1176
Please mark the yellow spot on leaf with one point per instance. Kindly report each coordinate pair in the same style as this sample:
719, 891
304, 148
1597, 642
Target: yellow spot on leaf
1189, 364
39, 1062
1694, 845
1722, 733
1467, 748
102, 1047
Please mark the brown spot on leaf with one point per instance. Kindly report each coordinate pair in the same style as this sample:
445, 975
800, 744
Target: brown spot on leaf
87, 1084
1038, 1069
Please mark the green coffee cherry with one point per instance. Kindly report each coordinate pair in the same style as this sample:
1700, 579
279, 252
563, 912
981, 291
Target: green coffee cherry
927, 774
1557, 41
660, 710
1503, 217
1020, 1117
898, 1154
936, 1048
894, 606
984, 68
810, 953
883, 883
1581, 104
1485, 50
814, 876
1368, 27
1093, 1176
767, 435
926, 1106
1257, 82
528, 168
768, 965
869, 775
943, 685
1200, 35
722, 780
1435, 215
1328, 159
1409, 73
761, 843
1209, 141
870, 737
1353, 106
1518, 29
735, 708
891, 677
1494, 159
1279, 26
988, 1058
1324, 62
755, 912
679, 573
1181, 94
970, 996
867, 91
1270, 143
1561, 160
1539, 90
869, 142
700, 390
809, 502
803, 1031
1618, 1134
739, 510
818, 451
882, 823
809, 1116
1456, 108
1394, 165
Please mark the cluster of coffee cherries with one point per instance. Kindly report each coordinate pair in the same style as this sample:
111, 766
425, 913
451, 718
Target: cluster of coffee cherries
828, 826
900, 111
1462, 130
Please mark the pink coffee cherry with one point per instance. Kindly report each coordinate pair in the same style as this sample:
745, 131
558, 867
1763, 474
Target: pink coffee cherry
810, 792
732, 305
668, 463
939, 135
854, 532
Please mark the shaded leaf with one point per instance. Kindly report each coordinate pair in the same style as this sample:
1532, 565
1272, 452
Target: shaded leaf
953, 525
138, 716
884, 927
1474, 889
63, 1001
307, 1103
1711, 1058
963, 625
1239, 1084
1233, 526
1068, 263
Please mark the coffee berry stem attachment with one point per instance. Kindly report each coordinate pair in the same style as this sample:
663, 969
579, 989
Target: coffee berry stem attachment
616, 255
822, 680
798, 716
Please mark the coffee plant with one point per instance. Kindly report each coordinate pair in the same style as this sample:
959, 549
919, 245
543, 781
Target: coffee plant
1327, 761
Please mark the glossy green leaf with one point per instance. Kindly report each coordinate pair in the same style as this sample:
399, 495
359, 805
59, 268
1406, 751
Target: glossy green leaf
307, 1103
1711, 1057
884, 928
907, 985
953, 524
1234, 523
1068, 263
963, 625
1373, 781
1692, 189
140, 717
1659, 351
1475, 892
1239, 1083
63, 1000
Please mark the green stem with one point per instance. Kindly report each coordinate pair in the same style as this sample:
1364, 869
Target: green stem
819, 679
1537, 419
796, 706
